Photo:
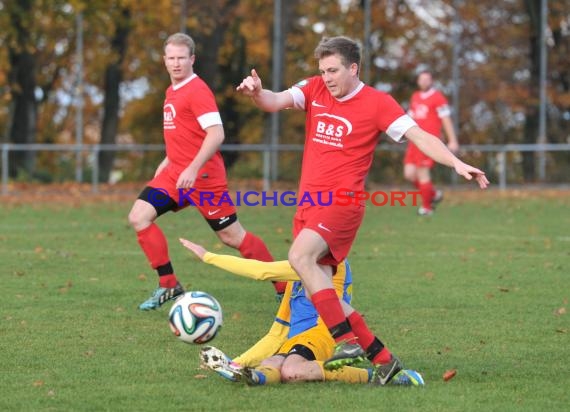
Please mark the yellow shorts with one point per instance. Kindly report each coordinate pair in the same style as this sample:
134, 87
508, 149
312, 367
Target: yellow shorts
317, 340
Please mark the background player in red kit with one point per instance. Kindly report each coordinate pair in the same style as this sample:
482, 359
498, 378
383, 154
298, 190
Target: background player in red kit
193, 133
430, 110
343, 120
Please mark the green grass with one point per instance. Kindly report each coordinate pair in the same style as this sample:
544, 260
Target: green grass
474, 288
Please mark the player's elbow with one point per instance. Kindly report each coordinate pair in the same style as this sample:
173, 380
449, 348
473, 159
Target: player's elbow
218, 135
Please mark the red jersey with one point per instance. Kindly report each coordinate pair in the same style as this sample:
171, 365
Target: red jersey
190, 108
341, 134
427, 109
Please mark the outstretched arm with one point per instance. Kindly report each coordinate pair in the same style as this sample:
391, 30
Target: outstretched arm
434, 148
268, 345
250, 268
264, 99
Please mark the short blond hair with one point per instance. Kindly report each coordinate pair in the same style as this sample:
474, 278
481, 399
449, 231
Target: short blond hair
181, 39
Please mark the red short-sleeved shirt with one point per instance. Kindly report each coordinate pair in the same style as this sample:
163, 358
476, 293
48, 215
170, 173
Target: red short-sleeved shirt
427, 109
189, 109
341, 134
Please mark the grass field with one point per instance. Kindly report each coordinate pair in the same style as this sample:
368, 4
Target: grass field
481, 287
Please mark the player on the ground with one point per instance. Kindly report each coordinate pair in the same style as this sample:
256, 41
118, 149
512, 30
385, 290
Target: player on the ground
193, 133
344, 118
298, 342
430, 110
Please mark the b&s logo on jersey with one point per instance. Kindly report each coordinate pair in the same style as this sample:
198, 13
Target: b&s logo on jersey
331, 130
169, 116
420, 111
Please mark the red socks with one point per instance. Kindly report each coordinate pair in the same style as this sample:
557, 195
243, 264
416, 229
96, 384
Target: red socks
417, 184
327, 304
427, 192
360, 329
253, 247
384, 356
154, 245
167, 281
375, 350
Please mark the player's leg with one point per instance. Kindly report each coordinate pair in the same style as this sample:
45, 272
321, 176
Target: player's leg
335, 232
294, 361
376, 352
151, 204
411, 175
249, 246
437, 194
306, 250
410, 164
315, 230
417, 168
267, 373
428, 193
304, 361
297, 368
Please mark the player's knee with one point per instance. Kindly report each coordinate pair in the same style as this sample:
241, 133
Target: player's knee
299, 260
292, 373
138, 220
229, 238
134, 218
409, 175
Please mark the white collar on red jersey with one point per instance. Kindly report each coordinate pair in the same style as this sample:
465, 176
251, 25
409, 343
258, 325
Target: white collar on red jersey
184, 82
428, 93
352, 93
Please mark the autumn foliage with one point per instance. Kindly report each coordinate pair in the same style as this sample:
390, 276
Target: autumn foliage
124, 79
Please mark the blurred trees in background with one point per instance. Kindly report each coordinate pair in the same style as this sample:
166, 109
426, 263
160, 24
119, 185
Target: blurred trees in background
124, 78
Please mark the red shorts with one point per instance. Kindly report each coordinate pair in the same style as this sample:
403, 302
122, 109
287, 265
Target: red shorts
336, 224
212, 202
416, 157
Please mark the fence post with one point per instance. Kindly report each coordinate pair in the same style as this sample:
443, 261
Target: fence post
453, 178
502, 166
266, 170
95, 170
5, 168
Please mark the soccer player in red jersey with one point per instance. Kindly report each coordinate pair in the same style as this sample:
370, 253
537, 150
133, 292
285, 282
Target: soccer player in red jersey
344, 118
193, 133
430, 110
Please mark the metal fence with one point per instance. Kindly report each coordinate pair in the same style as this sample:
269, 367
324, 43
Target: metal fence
266, 150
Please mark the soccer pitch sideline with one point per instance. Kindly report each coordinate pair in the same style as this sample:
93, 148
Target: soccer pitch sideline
481, 287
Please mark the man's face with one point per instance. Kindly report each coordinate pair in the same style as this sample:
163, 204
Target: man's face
425, 81
178, 62
339, 79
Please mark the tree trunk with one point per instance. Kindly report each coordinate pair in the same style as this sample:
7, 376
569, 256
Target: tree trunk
22, 80
111, 103
207, 67
531, 111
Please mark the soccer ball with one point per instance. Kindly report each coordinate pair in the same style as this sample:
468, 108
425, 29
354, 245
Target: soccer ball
195, 317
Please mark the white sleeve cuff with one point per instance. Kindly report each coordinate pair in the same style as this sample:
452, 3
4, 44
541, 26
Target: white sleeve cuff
399, 127
209, 119
443, 111
298, 98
